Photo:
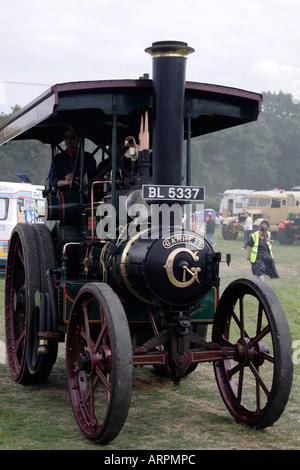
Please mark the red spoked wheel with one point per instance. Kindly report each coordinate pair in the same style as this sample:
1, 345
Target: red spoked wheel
255, 386
99, 362
23, 279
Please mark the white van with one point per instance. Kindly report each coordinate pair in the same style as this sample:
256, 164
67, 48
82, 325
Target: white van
232, 202
19, 202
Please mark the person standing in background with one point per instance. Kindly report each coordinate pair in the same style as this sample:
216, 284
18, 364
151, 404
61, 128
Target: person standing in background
210, 229
247, 229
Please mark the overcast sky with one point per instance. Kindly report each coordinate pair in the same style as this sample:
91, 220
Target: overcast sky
253, 45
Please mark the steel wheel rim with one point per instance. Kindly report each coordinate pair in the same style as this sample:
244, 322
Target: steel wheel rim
15, 308
94, 364
247, 358
252, 385
84, 382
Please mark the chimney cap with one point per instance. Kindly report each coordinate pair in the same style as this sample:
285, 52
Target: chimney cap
169, 49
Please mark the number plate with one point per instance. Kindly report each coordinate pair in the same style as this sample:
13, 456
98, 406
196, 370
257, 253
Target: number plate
159, 192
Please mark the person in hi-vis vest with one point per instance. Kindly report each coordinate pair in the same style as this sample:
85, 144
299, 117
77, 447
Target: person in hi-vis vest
260, 254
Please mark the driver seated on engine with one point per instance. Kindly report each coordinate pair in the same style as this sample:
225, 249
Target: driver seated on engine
63, 175
123, 165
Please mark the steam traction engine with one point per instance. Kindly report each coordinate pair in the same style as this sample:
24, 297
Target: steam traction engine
126, 285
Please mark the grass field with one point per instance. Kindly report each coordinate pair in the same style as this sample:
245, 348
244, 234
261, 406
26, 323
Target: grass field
190, 416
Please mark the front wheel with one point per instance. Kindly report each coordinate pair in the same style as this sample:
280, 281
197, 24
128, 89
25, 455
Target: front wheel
255, 386
285, 236
229, 232
99, 362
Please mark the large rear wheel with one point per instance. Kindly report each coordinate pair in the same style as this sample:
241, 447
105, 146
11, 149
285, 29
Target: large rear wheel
255, 386
26, 258
42, 318
22, 280
99, 362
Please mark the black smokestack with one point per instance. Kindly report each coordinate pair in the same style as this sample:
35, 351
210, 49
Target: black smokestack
169, 64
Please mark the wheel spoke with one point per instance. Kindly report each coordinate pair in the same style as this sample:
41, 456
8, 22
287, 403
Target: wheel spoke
231, 372
102, 339
259, 318
104, 380
268, 357
226, 343
86, 327
260, 336
240, 321
19, 346
240, 383
20, 255
259, 379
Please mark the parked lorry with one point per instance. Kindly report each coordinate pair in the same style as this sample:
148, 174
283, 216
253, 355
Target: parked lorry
268, 207
232, 202
19, 202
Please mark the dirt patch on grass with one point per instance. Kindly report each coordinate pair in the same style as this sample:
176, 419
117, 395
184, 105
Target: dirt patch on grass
151, 383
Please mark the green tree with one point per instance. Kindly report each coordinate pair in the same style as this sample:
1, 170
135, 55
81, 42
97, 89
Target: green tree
283, 116
21, 156
259, 155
